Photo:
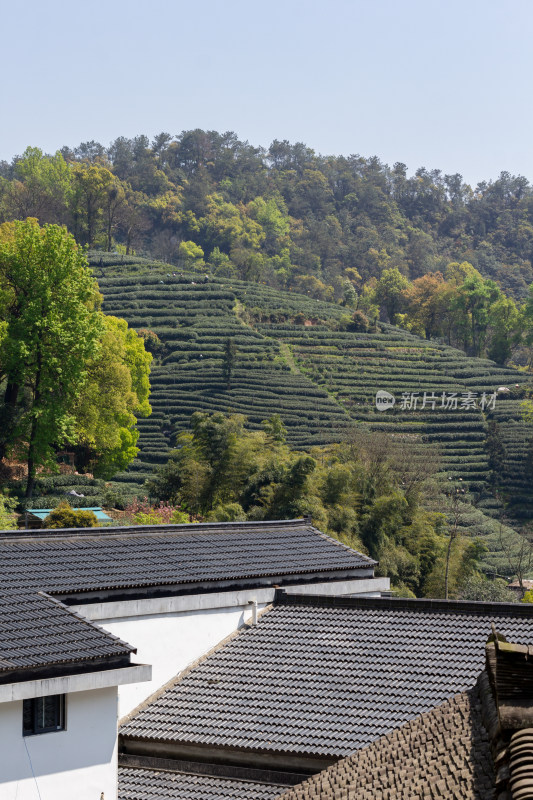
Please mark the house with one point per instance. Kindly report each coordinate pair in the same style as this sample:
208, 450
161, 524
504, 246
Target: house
175, 591
281, 668
314, 681
515, 586
59, 676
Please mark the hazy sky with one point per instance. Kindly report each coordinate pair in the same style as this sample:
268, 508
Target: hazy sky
437, 83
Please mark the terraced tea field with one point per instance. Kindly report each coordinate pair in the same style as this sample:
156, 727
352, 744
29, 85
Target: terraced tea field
354, 366
292, 360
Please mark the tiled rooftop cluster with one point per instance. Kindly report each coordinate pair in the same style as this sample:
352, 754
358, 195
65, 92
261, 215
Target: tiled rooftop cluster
37, 630
327, 676
149, 784
74, 561
444, 753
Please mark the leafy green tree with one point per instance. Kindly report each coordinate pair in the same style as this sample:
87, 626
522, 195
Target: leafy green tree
191, 255
92, 188
272, 215
41, 187
289, 499
221, 264
473, 301
152, 342
52, 331
505, 329
275, 429
114, 200
115, 394
390, 290
479, 588
425, 298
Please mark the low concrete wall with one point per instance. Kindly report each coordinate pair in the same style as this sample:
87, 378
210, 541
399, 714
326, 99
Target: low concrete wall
84, 682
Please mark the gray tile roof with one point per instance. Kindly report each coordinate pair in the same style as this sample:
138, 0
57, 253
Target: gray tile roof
149, 784
443, 754
74, 561
37, 631
327, 676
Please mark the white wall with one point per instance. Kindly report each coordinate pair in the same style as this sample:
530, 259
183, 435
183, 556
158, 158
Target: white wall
78, 763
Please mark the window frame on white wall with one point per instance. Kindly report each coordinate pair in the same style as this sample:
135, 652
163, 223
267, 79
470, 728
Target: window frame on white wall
34, 713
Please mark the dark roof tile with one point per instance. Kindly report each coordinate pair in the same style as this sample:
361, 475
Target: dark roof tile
77, 561
444, 753
36, 631
149, 784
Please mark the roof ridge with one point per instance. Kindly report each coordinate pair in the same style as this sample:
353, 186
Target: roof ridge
27, 534
282, 598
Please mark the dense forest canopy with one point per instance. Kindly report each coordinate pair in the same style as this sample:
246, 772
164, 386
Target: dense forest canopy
278, 214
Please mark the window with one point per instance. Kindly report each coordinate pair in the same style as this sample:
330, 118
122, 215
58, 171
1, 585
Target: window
43, 714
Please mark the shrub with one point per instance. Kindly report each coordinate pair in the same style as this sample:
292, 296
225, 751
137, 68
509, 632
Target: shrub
64, 516
230, 512
359, 322
152, 342
7, 519
141, 512
113, 498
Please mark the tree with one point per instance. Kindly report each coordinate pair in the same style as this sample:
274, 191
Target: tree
228, 361
275, 429
115, 198
52, 330
191, 255
93, 187
424, 304
455, 512
115, 394
479, 588
505, 329
41, 187
518, 551
389, 291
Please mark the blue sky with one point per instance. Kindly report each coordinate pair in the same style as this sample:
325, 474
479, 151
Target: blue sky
436, 83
